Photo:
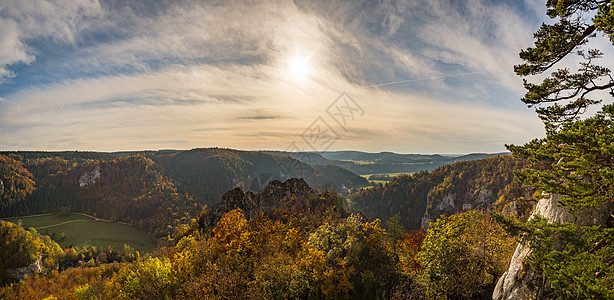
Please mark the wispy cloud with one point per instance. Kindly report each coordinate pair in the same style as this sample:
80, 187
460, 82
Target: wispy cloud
126, 75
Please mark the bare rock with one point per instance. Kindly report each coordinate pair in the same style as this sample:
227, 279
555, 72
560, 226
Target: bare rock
549, 208
89, 177
517, 282
21, 273
275, 194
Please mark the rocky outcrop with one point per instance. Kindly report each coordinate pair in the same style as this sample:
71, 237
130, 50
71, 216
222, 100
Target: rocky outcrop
437, 207
21, 273
89, 177
276, 194
452, 204
519, 280
475, 199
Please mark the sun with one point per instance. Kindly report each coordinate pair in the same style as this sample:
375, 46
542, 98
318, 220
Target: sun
299, 67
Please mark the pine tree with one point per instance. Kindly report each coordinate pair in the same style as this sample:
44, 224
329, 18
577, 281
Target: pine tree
577, 153
564, 95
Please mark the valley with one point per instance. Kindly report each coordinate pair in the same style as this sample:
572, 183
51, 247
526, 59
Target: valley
160, 192
378, 150
244, 210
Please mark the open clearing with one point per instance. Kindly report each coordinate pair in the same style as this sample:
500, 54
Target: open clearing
366, 176
84, 231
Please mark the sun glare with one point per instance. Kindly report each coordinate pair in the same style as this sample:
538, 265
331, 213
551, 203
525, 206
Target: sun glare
299, 67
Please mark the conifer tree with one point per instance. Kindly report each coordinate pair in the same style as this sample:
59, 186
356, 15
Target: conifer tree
578, 151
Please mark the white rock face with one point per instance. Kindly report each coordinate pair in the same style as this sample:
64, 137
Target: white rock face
89, 177
447, 202
20, 273
513, 284
550, 209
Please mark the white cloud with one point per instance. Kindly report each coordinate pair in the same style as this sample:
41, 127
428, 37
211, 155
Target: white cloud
23, 20
215, 74
12, 50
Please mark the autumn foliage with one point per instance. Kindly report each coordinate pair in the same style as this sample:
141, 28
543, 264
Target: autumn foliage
285, 253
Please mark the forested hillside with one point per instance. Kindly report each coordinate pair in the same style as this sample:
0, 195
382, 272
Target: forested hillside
154, 190
487, 184
25, 251
208, 173
286, 241
16, 182
125, 189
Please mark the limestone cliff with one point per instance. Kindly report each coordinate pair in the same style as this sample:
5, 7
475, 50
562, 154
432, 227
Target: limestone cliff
475, 199
89, 177
519, 282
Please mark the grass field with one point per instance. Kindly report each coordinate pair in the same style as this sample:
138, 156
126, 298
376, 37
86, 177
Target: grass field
83, 231
379, 181
393, 175
366, 176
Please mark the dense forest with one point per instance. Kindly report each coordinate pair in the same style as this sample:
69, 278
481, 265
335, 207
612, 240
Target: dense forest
280, 243
155, 191
308, 248
16, 183
128, 189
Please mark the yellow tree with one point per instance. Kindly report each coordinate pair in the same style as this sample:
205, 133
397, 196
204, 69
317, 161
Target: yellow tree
463, 255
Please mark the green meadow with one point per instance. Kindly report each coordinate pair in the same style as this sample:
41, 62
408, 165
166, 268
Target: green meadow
366, 176
83, 231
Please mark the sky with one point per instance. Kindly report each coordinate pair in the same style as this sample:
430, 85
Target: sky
415, 76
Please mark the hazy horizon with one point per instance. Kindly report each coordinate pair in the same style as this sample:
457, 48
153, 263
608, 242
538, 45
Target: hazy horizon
255, 150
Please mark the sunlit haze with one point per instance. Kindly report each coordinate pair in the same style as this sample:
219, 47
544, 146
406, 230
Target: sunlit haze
418, 76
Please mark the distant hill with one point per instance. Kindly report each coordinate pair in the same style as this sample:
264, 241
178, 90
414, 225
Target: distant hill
476, 156
384, 162
382, 157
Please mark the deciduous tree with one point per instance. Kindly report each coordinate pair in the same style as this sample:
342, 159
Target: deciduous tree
463, 255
